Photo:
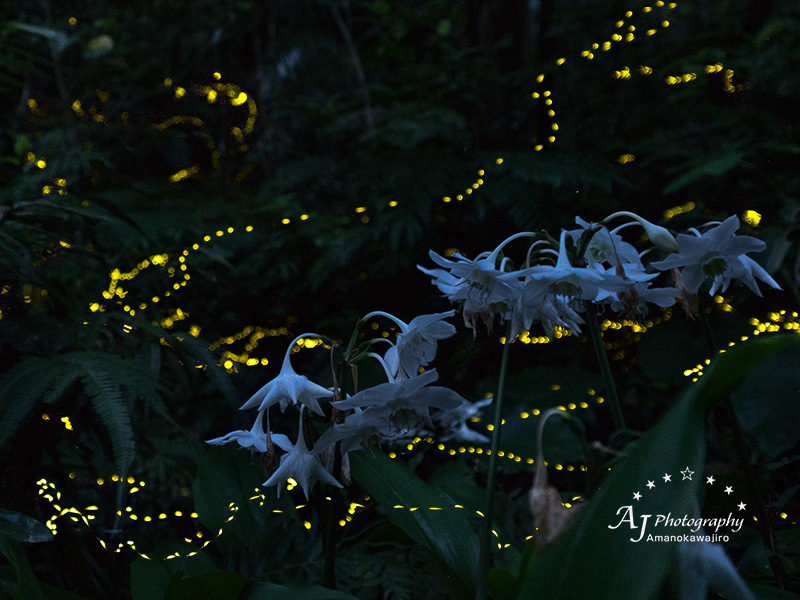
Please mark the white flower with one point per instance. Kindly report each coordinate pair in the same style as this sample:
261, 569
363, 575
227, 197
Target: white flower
718, 254
456, 420
658, 235
633, 303
416, 345
580, 283
255, 439
289, 388
405, 403
605, 247
301, 465
481, 288
360, 429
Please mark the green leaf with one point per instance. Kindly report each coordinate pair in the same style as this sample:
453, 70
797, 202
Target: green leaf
445, 532
149, 579
23, 528
272, 591
594, 560
27, 585
768, 403
226, 475
219, 585
153, 579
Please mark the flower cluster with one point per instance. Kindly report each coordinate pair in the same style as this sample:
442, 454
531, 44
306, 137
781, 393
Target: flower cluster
556, 285
386, 411
593, 265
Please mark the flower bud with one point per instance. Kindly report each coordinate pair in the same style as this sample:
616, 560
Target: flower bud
660, 237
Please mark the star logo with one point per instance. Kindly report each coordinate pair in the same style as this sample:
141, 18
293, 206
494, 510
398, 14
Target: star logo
651, 485
710, 480
742, 505
667, 477
728, 490
687, 474
637, 496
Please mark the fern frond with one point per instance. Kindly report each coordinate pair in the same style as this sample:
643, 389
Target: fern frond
101, 375
26, 384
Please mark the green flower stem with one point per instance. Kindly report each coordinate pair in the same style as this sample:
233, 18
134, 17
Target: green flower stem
329, 572
486, 535
605, 367
743, 456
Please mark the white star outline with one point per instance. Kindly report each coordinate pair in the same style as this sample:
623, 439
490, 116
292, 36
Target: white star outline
687, 474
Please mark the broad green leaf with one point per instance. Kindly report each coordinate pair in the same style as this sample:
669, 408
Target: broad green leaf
598, 560
23, 528
272, 591
219, 585
27, 586
768, 403
226, 475
151, 579
444, 530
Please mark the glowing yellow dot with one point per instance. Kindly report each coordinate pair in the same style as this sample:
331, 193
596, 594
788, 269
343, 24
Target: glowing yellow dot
499, 161
41, 164
393, 203
561, 61
73, 21
751, 217
180, 92
286, 221
665, 23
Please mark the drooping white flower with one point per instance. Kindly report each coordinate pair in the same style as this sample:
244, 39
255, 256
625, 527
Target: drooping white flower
301, 465
406, 403
718, 254
579, 283
481, 287
254, 439
289, 387
456, 422
360, 430
606, 247
415, 347
660, 237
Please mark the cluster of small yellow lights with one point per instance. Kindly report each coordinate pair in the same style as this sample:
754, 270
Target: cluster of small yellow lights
222, 93
471, 188
86, 515
178, 271
776, 321
626, 32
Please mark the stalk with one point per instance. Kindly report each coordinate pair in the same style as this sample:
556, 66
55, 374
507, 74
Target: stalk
486, 534
605, 367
